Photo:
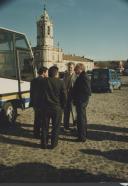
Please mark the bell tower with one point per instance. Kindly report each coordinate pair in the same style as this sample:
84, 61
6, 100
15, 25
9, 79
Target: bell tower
44, 30
46, 54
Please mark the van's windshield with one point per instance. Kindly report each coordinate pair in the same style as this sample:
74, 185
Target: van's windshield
7, 59
100, 75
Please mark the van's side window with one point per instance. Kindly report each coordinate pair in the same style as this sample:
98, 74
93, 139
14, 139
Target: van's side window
25, 65
21, 41
96, 75
25, 58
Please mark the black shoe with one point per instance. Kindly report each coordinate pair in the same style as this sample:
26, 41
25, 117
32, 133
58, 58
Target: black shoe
66, 126
37, 136
53, 145
75, 122
43, 146
81, 139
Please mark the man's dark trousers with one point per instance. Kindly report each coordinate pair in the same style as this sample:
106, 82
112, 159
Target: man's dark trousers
55, 114
37, 122
67, 111
82, 119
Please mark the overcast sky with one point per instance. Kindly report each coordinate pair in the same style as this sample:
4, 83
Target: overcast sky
96, 29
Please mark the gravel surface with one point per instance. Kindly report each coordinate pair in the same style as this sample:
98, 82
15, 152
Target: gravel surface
102, 158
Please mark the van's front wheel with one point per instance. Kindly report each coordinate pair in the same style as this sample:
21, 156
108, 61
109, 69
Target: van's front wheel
9, 113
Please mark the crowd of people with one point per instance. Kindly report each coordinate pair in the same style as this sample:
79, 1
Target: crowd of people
51, 97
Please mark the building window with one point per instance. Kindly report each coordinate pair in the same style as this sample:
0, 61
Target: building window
48, 30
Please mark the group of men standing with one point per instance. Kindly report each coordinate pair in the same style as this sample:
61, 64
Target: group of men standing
51, 96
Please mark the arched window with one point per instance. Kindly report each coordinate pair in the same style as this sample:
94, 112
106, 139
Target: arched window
48, 30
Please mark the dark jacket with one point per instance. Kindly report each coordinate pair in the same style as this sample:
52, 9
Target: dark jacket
82, 88
35, 92
53, 93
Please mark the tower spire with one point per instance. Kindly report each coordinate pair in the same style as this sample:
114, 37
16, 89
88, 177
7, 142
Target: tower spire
45, 2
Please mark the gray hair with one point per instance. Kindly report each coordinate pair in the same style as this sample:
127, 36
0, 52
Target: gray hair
70, 63
80, 66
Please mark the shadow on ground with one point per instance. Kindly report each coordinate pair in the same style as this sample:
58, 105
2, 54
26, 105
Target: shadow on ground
37, 172
99, 132
16, 130
96, 132
107, 128
101, 135
119, 155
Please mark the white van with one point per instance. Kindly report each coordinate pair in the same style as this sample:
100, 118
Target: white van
16, 72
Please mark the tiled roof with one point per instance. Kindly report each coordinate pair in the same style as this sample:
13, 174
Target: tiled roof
75, 58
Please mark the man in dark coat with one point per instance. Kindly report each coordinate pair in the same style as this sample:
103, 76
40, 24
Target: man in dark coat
35, 99
54, 96
81, 94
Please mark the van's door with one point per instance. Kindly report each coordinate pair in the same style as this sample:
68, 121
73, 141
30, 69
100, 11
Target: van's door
25, 75
24, 67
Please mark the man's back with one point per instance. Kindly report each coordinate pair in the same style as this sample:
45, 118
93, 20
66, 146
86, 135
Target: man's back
54, 92
34, 91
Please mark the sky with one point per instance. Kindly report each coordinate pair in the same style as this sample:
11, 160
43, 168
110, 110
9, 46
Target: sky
95, 29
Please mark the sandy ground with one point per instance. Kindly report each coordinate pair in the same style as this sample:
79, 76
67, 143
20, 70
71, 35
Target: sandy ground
102, 158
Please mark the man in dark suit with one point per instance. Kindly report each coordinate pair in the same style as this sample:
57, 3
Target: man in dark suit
35, 99
81, 94
54, 96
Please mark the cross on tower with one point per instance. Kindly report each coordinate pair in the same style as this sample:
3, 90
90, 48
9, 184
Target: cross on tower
44, 2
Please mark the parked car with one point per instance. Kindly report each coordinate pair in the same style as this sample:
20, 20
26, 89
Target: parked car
105, 80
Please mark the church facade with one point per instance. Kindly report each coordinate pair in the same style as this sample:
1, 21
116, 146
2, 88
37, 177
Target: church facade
46, 54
